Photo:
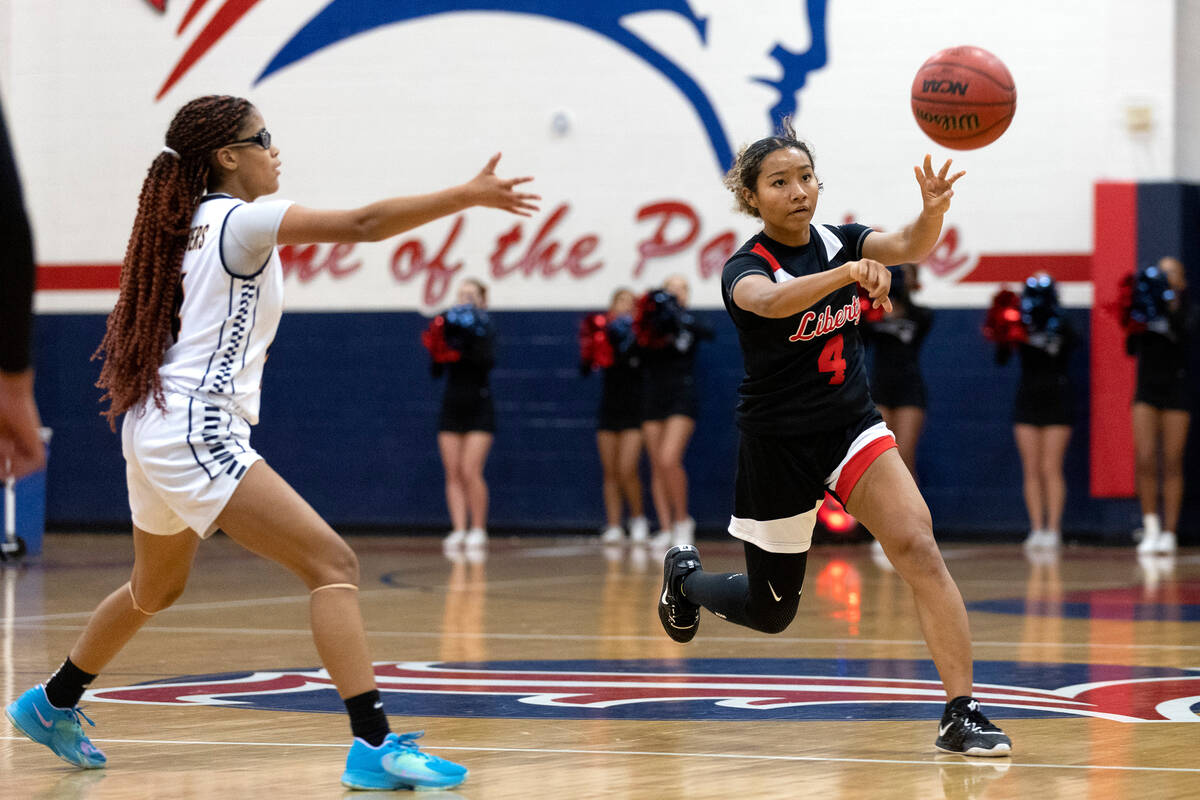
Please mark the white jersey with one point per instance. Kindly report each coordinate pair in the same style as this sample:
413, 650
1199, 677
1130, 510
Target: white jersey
232, 302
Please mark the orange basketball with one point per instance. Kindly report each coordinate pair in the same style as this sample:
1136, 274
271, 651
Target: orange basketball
964, 98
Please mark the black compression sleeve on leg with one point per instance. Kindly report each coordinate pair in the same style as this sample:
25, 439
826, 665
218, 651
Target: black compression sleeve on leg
764, 598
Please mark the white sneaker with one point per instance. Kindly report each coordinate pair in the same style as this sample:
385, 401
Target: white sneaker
1151, 531
613, 535
454, 539
661, 540
639, 530
1043, 540
1166, 543
476, 537
1149, 543
684, 531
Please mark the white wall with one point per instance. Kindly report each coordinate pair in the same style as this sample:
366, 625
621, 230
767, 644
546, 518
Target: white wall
415, 106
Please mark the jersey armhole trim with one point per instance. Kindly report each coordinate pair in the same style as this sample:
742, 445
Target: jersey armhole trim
221, 251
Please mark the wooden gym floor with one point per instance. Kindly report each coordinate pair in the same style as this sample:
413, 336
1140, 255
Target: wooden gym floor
561, 683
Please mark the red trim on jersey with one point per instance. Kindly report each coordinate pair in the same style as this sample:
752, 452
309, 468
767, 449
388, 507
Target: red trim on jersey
858, 463
759, 250
69, 277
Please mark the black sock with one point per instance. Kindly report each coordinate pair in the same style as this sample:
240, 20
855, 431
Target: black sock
367, 720
66, 686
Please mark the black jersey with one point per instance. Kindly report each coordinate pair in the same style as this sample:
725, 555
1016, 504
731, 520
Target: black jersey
804, 373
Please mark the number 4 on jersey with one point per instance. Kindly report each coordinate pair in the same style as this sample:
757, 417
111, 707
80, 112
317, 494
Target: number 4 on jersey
831, 360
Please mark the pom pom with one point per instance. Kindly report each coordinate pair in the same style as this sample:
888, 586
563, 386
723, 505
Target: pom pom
658, 318
595, 351
434, 339
1039, 304
1149, 300
1004, 324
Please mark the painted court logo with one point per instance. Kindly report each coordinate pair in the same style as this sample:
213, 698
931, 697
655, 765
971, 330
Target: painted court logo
340, 20
718, 689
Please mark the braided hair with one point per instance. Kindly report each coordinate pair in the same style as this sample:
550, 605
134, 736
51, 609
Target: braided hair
746, 168
140, 327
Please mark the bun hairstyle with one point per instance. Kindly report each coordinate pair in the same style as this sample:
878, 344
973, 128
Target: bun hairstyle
746, 168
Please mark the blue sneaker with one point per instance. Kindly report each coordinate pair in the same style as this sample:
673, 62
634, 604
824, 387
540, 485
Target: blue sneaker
399, 764
57, 728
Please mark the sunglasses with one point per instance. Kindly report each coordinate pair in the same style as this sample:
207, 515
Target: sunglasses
262, 139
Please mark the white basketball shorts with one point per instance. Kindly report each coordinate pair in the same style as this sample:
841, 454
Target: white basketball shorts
182, 467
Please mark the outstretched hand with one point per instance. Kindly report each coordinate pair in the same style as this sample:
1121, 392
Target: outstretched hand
875, 279
936, 188
488, 189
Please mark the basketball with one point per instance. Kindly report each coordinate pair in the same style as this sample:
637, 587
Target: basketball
964, 98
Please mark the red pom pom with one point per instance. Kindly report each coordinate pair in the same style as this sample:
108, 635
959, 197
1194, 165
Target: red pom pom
595, 351
1003, 324
434, 339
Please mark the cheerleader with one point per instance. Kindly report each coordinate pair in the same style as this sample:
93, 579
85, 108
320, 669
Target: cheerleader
608, 343
896, 383
1159, 323
462, 344
1044, 405
669, 335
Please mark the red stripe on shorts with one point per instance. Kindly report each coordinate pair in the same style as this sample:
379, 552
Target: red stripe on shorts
858, 464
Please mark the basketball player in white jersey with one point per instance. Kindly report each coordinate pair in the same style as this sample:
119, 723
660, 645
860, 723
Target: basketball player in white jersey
200, 301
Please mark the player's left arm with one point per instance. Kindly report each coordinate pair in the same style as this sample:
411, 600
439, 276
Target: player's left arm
916, 240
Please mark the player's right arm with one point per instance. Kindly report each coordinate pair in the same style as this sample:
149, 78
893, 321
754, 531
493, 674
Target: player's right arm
387, 218
760, 295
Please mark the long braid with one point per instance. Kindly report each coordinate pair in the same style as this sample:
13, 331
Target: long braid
140, 326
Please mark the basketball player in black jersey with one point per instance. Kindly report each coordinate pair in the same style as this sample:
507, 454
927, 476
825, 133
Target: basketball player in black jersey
807, 422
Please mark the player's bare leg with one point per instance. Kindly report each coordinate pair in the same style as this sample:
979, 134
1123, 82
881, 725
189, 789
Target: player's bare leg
450, 446
887, 502
268, 517
161, 565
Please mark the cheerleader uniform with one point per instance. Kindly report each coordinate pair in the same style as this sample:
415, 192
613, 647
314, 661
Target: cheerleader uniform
621, 396
896, 380
467, 402
670, 383
1044, 394
1163, 379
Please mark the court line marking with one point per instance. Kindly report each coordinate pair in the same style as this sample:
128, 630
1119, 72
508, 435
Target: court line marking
775, 640
303, 598
993, 763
